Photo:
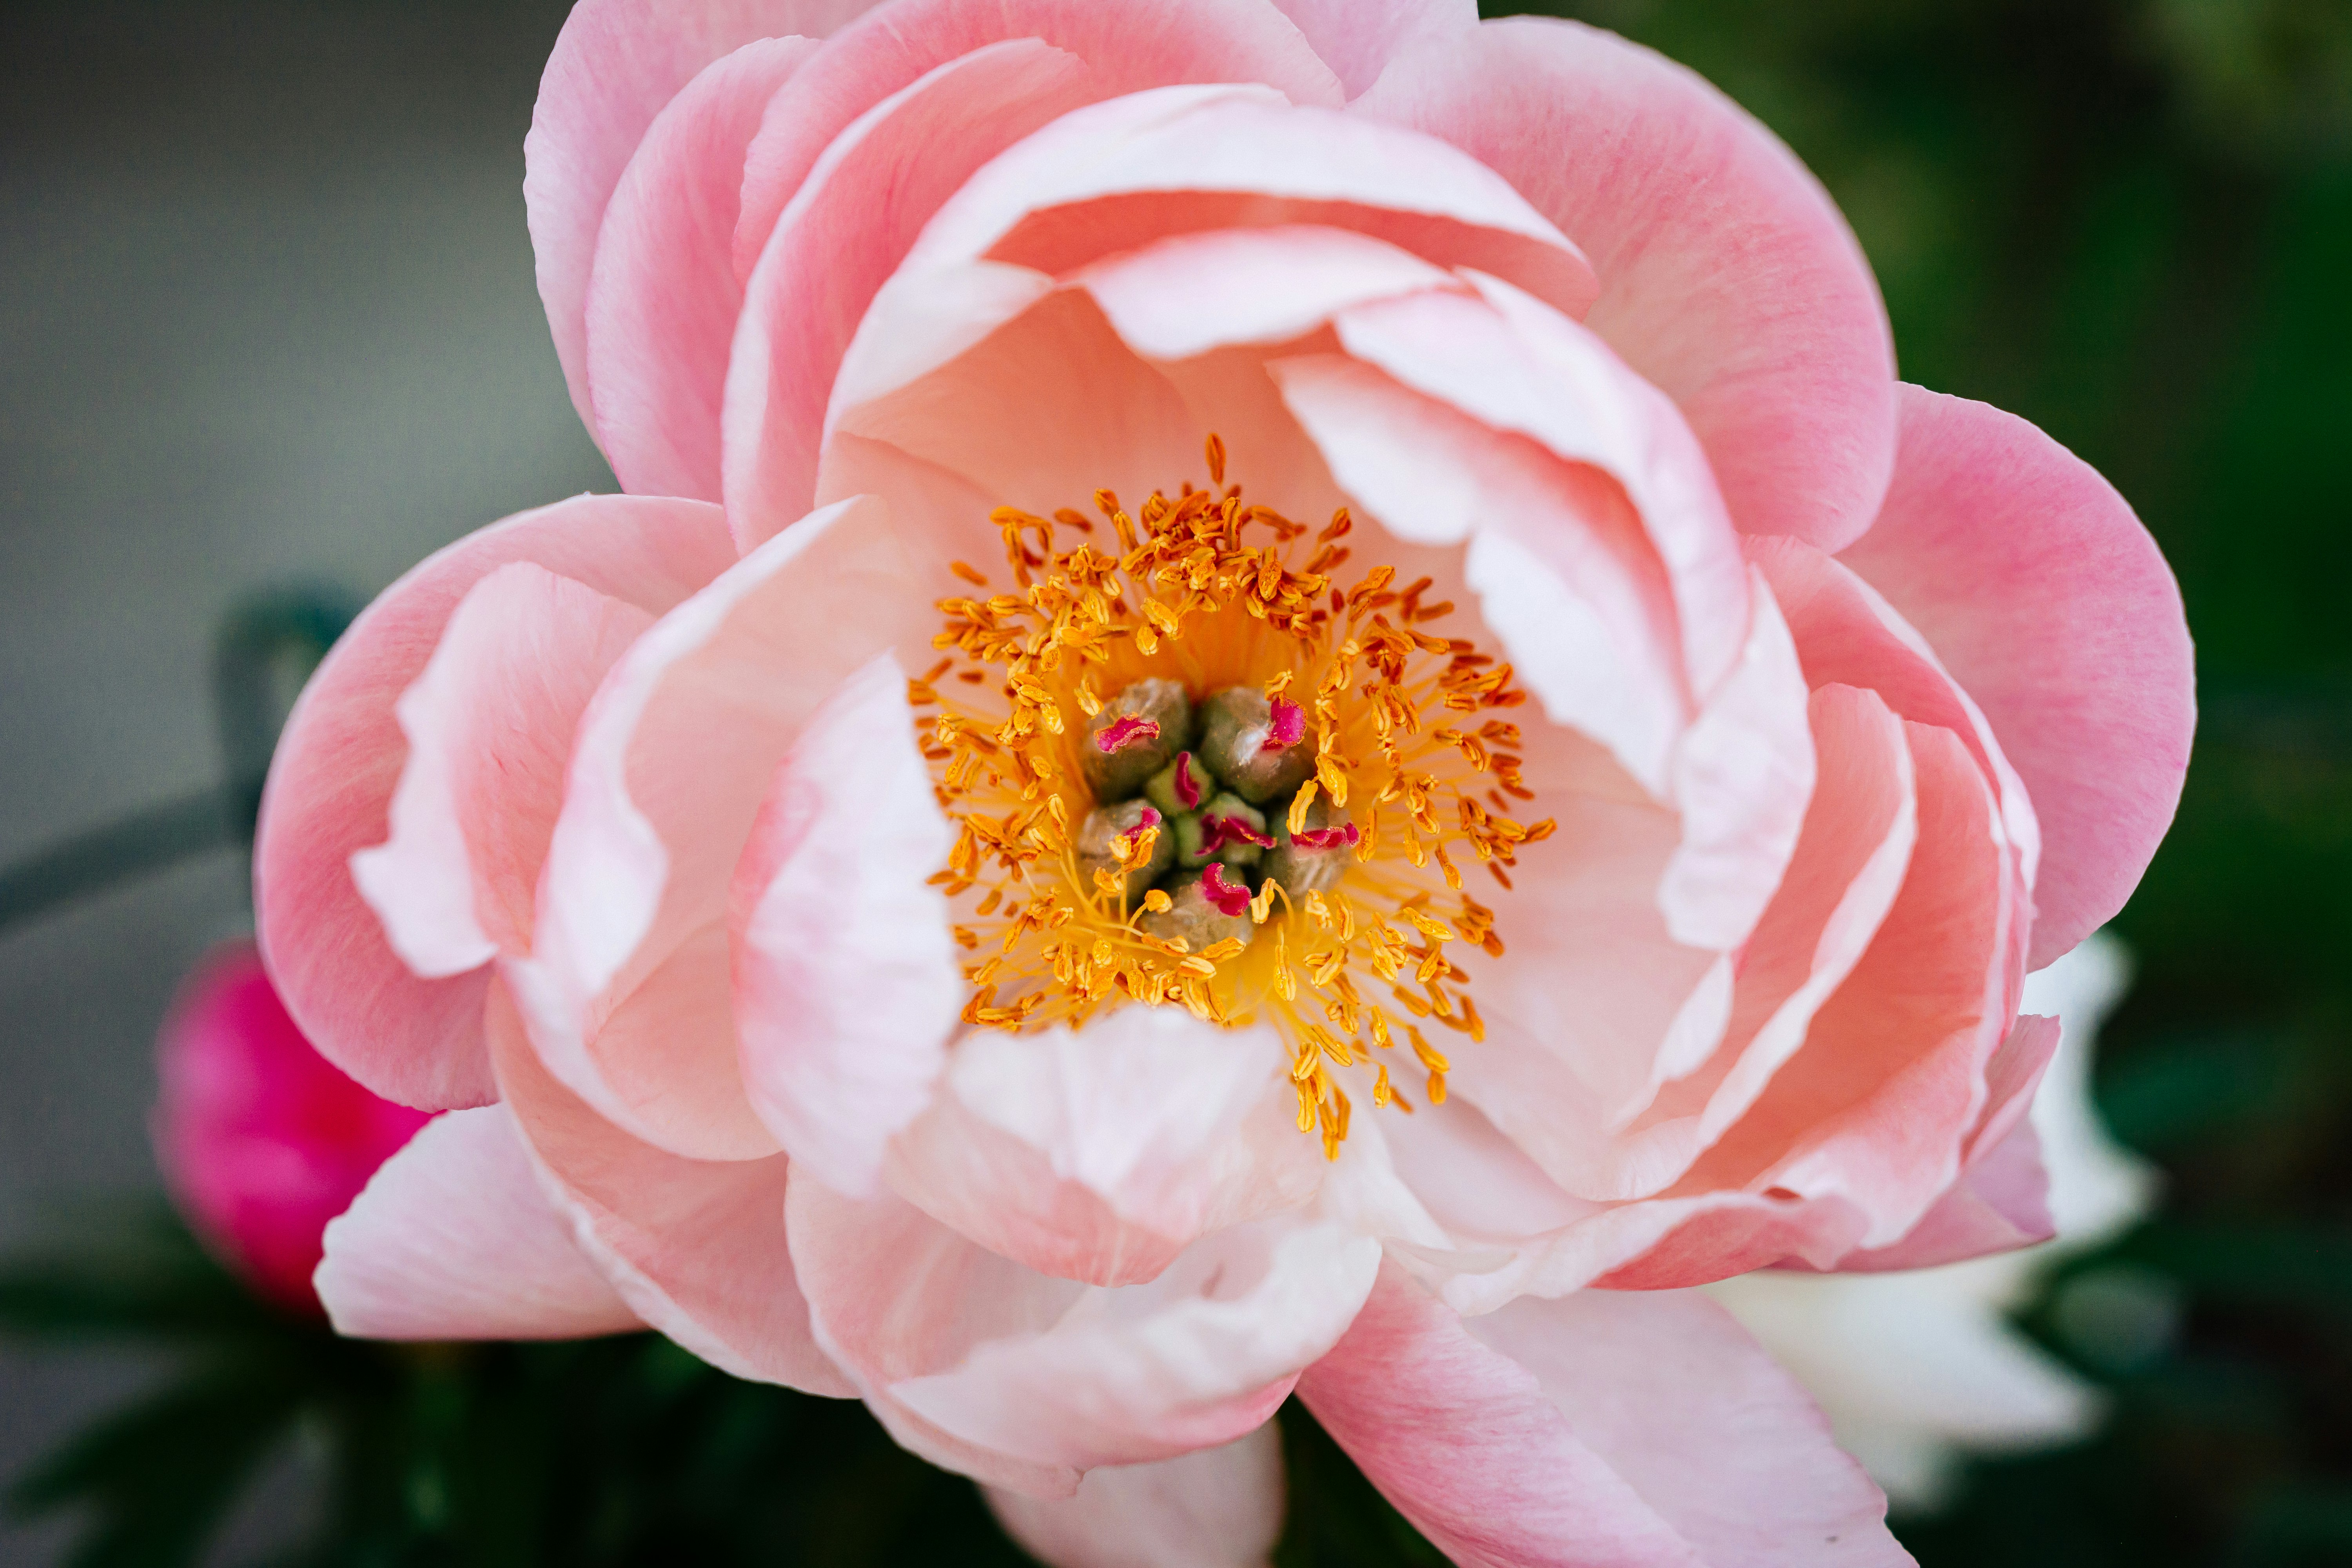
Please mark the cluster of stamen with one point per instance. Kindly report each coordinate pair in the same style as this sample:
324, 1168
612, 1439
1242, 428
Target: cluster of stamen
1069, 760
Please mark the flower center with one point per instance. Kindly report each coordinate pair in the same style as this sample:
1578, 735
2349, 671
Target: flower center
1201, 772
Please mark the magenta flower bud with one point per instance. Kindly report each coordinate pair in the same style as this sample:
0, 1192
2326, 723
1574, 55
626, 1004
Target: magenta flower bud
261, 1141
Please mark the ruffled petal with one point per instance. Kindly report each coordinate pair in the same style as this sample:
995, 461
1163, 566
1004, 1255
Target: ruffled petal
1213, 1507
846, 229
1127, 45
1023, 1380
1358, 39
1879, 1104
1606, 1429
1515, 364
696, 1248
663, 297
614, 67
846, 984
2050, 604
1566, 574
1102, 1156
626, 990
1729, 277
1119, 176
453, 1239
489, 726
341, 759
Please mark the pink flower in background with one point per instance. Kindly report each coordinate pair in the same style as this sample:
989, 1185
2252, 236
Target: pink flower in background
1285, 701
260, 1139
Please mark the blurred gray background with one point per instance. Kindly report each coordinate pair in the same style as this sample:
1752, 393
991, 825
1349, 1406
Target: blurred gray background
267, 316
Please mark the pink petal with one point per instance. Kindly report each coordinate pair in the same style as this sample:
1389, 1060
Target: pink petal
1213, 1507
1358, 39
1879, 1103
1742, 775
489, 726
1126, 45
1998, 1206
339, 761
696, 1248
1120, 175
1023, 1380
1569, 578
846, 228
1051, 408
453, 1239
1848, 865
1727, 277
663, 297
2051, 605
1604, 1429
614, 67
1514, 364
1841, 881
1188, 293
1847, 635
674, 758
846, 984
1102, 1155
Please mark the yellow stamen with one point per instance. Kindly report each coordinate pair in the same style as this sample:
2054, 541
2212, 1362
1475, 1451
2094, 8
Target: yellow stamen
1210, 590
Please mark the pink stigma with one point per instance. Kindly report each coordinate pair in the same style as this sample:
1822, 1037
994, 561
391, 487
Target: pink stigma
1328, 837
1289, 727
1230, 900
1150, 818
1131, 730
1187, 791
1215, 831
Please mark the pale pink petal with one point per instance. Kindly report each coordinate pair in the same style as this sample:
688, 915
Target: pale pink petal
845, 230
1199, 1355
1101, 1154
1127, 45
1742, 775
614, 67
1023, 1380
1051, 408
663, 297
846, 983
1878, 1104
1843, 878
892, 1292
1358, 37
1213, 1507
340, 761
1841, 881
1595, 998
1998, 1206
489, 727
1515, 364
674, 758
1605, 1430
2050, 605
1566, 576
696, 1248
453, 1239
1677, 1397
1727, 277
1846, 634
1188, 293
1119, 175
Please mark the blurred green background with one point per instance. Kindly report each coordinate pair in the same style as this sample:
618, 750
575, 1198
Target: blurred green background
2128, 220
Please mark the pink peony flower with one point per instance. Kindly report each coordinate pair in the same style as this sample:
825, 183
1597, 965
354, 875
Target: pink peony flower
260, 1139
1725, 730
